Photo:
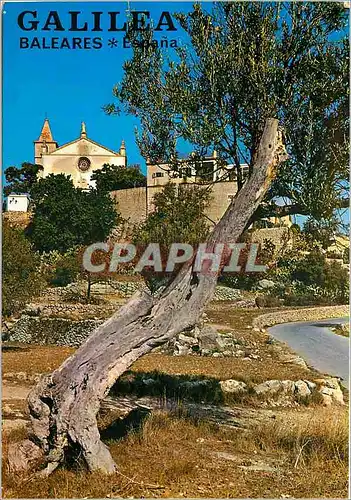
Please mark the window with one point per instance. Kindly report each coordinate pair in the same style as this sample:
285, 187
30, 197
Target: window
83, 164
157, 174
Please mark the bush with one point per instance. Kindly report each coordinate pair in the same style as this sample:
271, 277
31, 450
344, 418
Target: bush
66, 270
305, 277
267, 301
21, 272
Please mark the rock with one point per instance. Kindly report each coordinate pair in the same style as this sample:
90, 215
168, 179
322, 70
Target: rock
330, 391
190, 385
195, 332
271, 386
302, 389
226, 456
233, 386
227, 353
226, 293
208, 338
259, 467
326, 400
222, 341
331, 382
310, 385
293, 358
245, 303
265, 284
149, 381
335, 395
217, 355
184, 339
182, 350
288, 386
20, 455
206, 352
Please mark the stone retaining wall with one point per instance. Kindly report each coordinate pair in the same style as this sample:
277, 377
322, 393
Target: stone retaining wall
308, 314
73, 311
54, 331
124, 289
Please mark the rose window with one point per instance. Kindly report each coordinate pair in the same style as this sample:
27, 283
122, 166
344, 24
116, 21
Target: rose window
83, 164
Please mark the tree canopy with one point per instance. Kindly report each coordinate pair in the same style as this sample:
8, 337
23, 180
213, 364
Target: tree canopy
113, 177
21, 180
243, 63
178, 216
65, 216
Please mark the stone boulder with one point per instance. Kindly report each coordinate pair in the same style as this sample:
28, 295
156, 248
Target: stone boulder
208, 338
270, 386
232, 386
265, 284
302, 389
330, 391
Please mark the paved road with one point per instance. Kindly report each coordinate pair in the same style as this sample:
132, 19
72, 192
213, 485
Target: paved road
321, 348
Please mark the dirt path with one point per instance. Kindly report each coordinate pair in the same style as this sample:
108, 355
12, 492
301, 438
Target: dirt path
12, 391
13, 404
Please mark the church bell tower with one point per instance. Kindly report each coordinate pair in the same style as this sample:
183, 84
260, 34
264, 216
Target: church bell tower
45, 144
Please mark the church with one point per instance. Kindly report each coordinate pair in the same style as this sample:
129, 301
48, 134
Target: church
78, 158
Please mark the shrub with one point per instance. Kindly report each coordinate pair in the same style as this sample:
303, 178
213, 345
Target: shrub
267, 301
66, 270
21, 275
305, 277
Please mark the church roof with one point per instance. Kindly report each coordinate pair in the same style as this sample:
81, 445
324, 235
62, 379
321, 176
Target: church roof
88, 140
46, 134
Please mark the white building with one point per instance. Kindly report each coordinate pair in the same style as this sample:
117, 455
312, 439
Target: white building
17, 202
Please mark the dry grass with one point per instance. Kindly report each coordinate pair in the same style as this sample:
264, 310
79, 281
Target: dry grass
44, 359
220, 368
173, 457
34, 359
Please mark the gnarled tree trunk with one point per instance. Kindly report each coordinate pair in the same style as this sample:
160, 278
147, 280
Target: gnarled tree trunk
64, 405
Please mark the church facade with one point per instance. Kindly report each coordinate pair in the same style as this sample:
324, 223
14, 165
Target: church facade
78, 158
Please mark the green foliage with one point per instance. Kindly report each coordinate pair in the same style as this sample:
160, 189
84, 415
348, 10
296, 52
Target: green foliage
346, 256
246, 62
21, 276
21, 180
305, 277
65, 216
65, 268
322, 231
113, 177
178, 217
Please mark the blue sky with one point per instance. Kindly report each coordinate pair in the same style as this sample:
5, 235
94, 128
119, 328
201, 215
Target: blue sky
68, 86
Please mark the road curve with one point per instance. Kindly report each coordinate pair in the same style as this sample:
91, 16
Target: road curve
319, 346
